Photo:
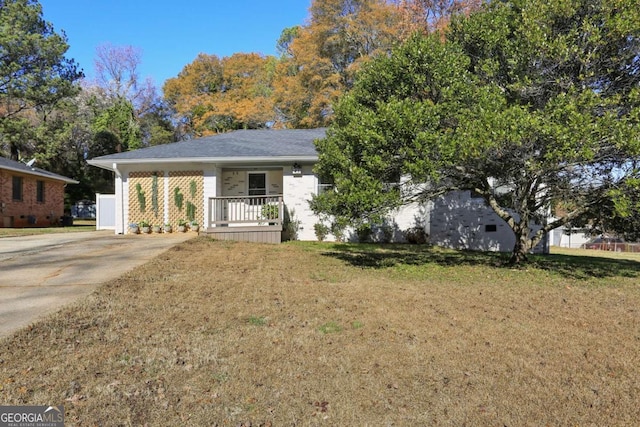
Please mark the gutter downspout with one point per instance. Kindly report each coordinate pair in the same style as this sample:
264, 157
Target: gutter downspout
119, 175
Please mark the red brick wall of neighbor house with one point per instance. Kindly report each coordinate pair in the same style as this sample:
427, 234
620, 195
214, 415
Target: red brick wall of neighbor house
14, 213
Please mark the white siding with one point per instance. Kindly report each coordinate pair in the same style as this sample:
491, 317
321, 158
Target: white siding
455, 221
298, 190
461, 222
410, 216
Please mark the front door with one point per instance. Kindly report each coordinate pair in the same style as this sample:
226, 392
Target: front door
257, 187
257, 184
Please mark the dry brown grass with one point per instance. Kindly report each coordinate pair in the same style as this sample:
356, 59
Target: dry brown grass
78, 225
215, 333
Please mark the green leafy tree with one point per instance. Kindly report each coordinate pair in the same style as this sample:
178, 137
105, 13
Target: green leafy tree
120, 121
527, 103
283, 46
34, 73
157, 129
618, 215
64, 138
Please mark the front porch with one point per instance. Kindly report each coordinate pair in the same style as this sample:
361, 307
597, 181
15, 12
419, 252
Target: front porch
246, 218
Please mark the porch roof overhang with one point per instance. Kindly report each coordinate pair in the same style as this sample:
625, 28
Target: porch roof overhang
113, 165
238, 148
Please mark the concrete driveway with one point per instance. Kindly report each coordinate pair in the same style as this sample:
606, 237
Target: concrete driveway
40, 274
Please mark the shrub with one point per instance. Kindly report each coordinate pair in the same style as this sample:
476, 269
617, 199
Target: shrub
269, 212
321, 231
290, 225
386, 233
364, 233
416, 235
338, 231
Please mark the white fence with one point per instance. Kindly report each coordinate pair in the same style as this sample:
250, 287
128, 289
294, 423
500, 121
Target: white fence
105, 211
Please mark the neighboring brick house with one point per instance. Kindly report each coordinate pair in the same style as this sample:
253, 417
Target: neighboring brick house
29, 196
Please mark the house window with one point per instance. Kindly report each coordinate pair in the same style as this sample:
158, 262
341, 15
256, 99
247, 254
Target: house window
40, 191
17, 188
257, 184
324, 184
490, 228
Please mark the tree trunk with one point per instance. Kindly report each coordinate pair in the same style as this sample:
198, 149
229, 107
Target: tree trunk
15, 152
521, 247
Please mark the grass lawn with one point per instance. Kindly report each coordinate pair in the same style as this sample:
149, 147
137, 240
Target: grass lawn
220, 333
78, 225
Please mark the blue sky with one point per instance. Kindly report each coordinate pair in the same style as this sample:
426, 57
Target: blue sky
172, 33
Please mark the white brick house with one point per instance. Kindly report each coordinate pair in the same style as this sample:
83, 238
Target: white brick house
230, 177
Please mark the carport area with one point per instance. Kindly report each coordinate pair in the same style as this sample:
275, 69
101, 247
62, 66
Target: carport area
40, 274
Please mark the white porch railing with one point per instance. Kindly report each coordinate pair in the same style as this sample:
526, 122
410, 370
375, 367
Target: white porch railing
246, 211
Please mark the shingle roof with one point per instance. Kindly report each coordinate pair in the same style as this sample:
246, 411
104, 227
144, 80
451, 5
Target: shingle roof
256, 144
30, 170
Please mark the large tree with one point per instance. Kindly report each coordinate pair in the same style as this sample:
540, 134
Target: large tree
68, 138
117, 74
213, 95
527, 103
317, 64
34, 73
428, 16
322, 57
120, 123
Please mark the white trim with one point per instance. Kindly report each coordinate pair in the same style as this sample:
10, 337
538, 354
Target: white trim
120, 227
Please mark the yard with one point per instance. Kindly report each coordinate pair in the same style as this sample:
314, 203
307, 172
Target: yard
221, 333
78, 225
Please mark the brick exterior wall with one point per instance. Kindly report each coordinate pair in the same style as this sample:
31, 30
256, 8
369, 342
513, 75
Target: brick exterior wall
28, 212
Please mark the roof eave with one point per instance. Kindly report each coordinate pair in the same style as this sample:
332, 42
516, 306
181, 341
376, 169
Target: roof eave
108, 163
43, 175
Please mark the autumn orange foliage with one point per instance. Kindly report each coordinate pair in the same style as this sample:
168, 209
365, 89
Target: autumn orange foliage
320, 62
215, 95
